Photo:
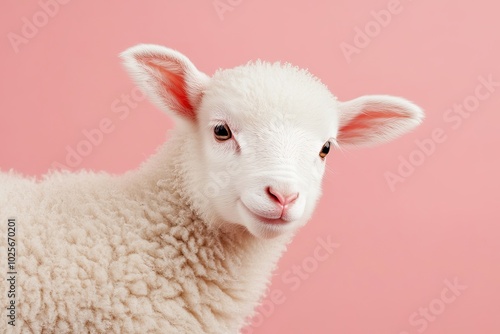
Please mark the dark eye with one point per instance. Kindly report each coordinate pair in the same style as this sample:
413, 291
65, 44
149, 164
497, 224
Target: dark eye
324, 150
222, 132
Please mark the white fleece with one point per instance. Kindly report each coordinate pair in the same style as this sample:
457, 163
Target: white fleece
127, 254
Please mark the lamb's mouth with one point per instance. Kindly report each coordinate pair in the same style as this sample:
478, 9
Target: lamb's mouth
264, 220
278, 221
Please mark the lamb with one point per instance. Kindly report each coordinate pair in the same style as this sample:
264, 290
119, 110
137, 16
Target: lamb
187, 242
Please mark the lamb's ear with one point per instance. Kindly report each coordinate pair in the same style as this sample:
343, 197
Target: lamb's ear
374, 119
169, 78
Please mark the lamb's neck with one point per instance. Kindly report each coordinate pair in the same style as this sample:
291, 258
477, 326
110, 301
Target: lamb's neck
247, 261
172, 169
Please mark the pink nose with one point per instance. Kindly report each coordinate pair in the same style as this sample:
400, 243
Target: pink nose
282, 199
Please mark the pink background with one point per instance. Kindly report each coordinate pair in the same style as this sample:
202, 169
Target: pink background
399, 244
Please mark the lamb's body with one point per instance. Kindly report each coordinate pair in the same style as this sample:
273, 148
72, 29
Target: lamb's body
164, 249
127, 254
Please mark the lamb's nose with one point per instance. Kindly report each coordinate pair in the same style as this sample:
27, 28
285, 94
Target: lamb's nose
282, 199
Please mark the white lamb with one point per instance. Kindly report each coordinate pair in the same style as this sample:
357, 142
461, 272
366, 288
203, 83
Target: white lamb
186, 243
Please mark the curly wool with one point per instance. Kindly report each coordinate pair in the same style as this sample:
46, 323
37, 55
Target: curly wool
99, 253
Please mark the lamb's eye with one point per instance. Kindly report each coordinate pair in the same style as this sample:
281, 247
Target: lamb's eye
324, 150
222, 132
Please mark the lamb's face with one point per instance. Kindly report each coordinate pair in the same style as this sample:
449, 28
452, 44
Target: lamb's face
266, 131
261, 134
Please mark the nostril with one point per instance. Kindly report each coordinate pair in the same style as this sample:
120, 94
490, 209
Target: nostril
278, 197
291, 198
275, 195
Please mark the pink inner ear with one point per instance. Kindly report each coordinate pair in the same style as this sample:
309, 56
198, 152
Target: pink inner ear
174, 86
365, 121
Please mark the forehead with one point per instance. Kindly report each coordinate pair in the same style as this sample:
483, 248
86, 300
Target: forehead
259, 93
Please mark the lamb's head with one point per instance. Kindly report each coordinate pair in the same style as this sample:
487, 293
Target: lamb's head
261, 133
